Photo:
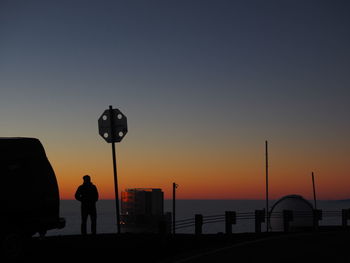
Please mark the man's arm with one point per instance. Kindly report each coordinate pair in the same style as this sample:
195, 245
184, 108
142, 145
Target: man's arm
78, 194
96, 194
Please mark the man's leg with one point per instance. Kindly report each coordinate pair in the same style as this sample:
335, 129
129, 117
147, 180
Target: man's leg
93, 217
84, 216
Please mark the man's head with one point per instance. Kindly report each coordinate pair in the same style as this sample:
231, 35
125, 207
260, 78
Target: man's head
87, 178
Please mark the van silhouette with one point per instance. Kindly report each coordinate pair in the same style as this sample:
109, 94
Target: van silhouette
29, 194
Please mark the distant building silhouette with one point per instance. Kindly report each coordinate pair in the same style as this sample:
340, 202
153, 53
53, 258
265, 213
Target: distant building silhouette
301, 209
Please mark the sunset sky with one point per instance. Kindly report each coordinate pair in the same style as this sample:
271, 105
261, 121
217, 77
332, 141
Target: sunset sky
202, 83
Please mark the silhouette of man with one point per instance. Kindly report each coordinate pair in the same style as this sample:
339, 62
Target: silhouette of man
87, 194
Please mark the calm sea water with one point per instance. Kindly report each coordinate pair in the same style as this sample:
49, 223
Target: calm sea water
106, 221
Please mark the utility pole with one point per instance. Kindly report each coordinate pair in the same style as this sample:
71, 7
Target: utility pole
314, 189
174, 210
267, 185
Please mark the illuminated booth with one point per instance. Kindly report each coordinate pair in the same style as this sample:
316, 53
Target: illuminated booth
142, 210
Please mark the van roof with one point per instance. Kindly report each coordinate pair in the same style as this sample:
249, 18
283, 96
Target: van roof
18, 138
20, 146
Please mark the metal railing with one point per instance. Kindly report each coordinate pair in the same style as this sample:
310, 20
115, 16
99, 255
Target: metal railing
231, 218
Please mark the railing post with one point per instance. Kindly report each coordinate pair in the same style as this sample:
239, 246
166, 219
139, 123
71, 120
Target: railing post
259, 218
345, 216
230, 219
198, 224
317, 216
287, 217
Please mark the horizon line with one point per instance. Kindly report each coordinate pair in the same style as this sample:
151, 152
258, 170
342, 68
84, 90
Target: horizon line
215, 199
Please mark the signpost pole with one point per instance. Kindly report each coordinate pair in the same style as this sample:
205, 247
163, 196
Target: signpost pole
116, 191
113, 126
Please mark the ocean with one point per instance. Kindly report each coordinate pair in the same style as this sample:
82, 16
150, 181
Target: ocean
185, 209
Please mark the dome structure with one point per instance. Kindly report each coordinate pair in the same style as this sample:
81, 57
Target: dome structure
302, 213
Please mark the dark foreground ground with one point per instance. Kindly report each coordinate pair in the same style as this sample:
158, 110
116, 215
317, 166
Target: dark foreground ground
325, 246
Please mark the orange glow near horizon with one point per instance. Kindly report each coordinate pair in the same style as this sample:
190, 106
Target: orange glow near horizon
208, 177
203, 172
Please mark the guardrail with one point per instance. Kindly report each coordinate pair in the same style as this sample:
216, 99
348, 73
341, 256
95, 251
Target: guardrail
231, 218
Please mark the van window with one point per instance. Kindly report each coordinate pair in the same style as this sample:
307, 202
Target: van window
17, 179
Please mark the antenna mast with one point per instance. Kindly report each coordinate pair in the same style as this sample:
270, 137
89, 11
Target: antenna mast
267, 186
314, 189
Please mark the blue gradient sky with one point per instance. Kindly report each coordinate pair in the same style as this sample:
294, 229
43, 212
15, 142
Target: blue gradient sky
203, 84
